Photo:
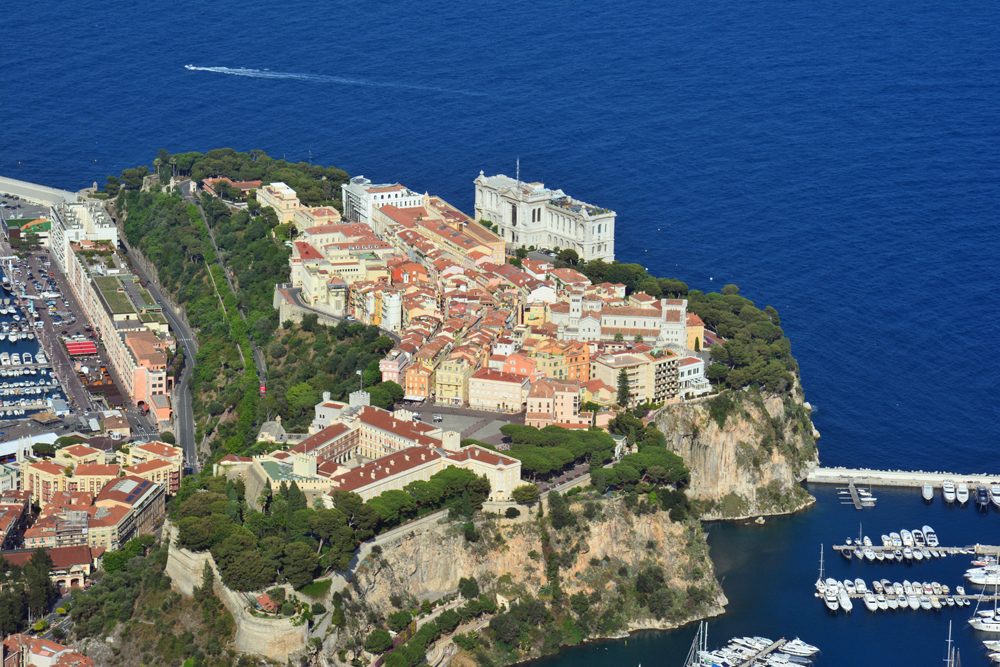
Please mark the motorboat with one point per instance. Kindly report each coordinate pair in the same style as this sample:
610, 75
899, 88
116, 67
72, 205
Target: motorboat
935, 602
962, 493
918, 554
982, 498
907, 553
983, 576
869, 554
925, 602
879, 556
844, 599
930, 536
918, 538
892, 602
927, 492
867, 541
860, 586
995, 495
799, 648
948, 491
897, 541
831, 596
881, 602
849, 587
886, 541
913, 601
870, 602
907, 538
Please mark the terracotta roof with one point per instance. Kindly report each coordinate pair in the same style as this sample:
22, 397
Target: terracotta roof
147, 466
476, 453
233, 458
62, 557
45, 466
158, 448
694, 321
322, 437
414, 431
101, 517
79, 451
497, 376
689, 361
96, 470
307, 251
387, 466
128, 490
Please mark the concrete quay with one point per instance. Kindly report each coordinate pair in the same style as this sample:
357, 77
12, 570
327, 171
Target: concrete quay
904, 478
35, 193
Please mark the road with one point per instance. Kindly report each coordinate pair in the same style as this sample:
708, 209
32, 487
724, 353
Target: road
183, 414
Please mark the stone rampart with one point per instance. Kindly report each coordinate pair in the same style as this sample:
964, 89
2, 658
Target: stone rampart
274, 638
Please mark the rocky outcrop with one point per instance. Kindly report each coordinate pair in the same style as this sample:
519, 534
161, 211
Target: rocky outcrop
603, 554
747, 452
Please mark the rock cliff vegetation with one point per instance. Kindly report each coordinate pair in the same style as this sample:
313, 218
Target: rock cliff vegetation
747, 451
588, 567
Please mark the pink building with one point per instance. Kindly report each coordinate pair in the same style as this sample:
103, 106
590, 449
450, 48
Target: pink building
554, 402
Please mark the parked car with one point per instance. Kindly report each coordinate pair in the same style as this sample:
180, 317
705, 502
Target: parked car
438, 418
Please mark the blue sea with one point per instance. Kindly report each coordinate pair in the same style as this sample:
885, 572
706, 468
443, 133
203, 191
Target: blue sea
838, 161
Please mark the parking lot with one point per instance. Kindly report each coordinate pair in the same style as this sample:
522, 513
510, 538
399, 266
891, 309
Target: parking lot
474, 424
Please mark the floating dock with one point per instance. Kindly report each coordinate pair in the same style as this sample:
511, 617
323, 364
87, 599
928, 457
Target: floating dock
972, 549
904, 478
750, 662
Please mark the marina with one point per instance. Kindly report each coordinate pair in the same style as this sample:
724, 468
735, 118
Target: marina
748, 652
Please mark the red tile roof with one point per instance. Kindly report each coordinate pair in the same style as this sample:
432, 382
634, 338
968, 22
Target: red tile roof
62, 557
147, 466
497, 376
481, 454
158, 448
387, 466
79, 451
96, 469
307, 251
322, 437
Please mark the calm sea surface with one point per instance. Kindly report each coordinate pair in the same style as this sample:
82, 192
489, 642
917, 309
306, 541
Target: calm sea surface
837, 160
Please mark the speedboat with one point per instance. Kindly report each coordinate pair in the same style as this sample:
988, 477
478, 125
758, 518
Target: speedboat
860, 586
870, 602
918, 538
907, 553
897, 541
907, 537
799, 648
844, 599
983, 576
918, 554
935, 602
831, 595
995, 495
913, 601
925, 602
927, 492
930, 536
869, 554
881, 602
962, 493
948, 491
982, 498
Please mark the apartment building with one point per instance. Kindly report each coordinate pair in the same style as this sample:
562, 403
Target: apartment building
361, 197
280, 197
554, 402
497, 391
156, 461
652, 374
529, 214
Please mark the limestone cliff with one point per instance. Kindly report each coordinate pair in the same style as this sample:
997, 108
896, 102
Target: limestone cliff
747, 451
600, 556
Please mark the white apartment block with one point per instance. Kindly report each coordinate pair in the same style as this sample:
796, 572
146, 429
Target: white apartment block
76, 222
361, 197
529, 214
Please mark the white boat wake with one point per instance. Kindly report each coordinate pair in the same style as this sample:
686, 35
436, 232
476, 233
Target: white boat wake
323, 78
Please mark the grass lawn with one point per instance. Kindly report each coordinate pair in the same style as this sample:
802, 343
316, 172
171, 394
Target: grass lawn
317, 590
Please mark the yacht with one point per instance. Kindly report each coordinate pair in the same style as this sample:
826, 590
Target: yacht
995, 495
26, 358
870, 602
897, 541
831, 595
982, 498
799, 648
40, 358
983, 576
860, 586
927, 492
881, 602
907, 538
918, 538
987, 621
844, 599
15, 359
907, 553
930, 536
962, 493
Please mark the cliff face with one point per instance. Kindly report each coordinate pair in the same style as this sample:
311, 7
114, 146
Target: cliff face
602, 554
747, 452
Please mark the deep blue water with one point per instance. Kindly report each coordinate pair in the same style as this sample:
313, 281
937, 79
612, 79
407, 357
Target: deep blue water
838, 161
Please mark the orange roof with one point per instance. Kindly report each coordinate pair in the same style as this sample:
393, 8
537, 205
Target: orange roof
45, 466
476, 453
158, 448
147, 466
79, 451
96, 470
387, 466
497, 376
694, 321
322, 437
101, 517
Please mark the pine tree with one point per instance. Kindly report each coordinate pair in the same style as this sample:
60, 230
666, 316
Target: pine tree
623, 390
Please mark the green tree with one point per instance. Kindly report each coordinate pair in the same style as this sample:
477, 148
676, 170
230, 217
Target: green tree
398, 620
299, 564
378, 641
624, 392
526, 494
468, 588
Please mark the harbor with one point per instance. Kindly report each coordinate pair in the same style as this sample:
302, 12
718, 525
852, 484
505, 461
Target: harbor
904, 478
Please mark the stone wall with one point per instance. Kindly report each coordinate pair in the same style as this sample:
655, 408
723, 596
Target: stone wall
273, 638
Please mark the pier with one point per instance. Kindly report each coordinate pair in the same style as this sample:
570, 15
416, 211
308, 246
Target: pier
903, 478
974, 549
752, 661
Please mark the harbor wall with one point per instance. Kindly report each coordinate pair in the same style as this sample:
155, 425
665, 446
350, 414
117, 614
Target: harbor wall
901, 478
36, 194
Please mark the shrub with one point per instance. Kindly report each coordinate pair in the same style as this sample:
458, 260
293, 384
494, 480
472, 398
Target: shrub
512, 513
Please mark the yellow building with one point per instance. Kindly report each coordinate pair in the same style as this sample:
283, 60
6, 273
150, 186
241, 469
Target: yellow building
695, 333
76, 454
281, 198
92, 477
43, 479
451, 381
139, 459
497, 391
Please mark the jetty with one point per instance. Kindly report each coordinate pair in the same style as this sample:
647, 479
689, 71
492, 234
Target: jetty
973, 549
763, 653
902, 478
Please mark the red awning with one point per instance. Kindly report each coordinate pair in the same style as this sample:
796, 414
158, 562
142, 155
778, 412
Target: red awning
81, 348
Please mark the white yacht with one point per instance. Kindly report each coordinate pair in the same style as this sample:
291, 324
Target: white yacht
870, 602
831, 595
930, 536
907, 537
844, 599
948, 491
927, 492
799, 648
962, 493
984, 576
995, 495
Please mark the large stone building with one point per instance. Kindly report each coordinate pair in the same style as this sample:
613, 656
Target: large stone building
280, 197
529, 214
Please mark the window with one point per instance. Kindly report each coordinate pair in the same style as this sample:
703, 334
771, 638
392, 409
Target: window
513, 215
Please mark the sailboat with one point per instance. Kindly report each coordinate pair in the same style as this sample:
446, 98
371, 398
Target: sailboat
952, 658
986, 621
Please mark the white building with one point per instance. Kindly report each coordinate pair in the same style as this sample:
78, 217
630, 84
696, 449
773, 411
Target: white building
691, 377
361, 197
529, 214
76, 222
